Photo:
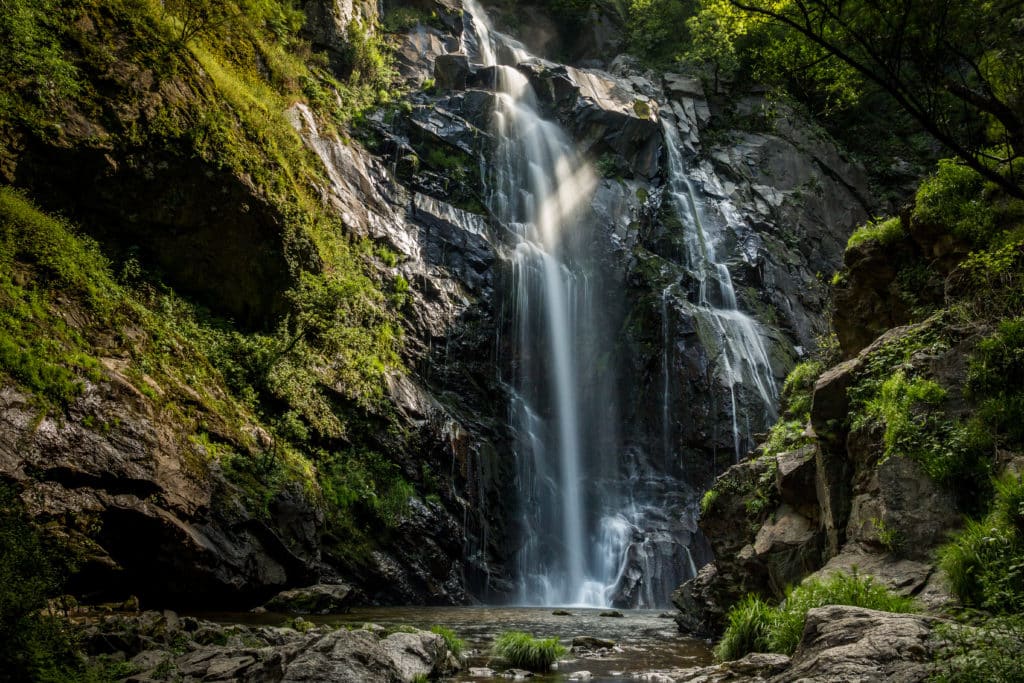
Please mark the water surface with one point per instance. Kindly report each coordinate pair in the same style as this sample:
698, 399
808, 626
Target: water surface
646, 642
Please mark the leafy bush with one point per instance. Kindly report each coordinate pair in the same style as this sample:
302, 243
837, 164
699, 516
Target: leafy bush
984, 564
455, 644
996, 377
954, 199
756, 626
883, 232
989, 282
523, 651
993, 652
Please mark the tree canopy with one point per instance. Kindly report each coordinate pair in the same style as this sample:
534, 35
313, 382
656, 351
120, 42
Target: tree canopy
955, 66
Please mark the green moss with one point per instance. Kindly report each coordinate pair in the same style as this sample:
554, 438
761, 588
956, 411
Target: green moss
707, 501
882, 232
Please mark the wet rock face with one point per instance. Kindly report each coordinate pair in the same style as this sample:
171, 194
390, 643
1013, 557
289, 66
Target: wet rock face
167, 526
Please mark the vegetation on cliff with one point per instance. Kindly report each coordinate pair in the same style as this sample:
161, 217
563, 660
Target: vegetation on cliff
277, 380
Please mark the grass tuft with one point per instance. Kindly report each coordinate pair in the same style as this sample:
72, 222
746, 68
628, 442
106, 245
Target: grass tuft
455, 644
523, 651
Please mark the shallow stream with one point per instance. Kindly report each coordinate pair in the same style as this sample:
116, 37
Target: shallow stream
646, 642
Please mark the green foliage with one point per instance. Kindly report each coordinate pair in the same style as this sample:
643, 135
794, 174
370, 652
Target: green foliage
756, 626
33, 646
954, 199
993, 652
707, 501
786, 435
455, 644
884, 233
523, 651
916, 427
890, 538
798, 389
38, 73
996, 378
362, 484
400, 19
984, 563
990, 283
656, 28
748, 629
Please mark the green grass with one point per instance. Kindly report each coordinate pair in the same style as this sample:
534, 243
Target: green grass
753, 625
455, 644
523, 651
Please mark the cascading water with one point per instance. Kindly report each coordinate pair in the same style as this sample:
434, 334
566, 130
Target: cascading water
598, 521
742, 356
539, 188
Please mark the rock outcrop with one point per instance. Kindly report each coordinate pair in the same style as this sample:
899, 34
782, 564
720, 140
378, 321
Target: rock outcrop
161, 645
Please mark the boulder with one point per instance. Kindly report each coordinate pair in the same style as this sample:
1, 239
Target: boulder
592, 643
787, 547
451, 71
843, 643
795, 480
756, 667
318, 599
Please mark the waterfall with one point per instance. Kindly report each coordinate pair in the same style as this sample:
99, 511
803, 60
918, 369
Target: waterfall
597, 522
538, 190
742, 356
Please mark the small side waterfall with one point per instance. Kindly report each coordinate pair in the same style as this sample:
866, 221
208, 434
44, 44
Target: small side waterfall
742, 358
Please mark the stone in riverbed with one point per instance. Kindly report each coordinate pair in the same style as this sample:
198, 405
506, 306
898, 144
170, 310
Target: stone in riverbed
319, 599
580, 676
592, 643
481, 672
562, 613
517, 674
612, 613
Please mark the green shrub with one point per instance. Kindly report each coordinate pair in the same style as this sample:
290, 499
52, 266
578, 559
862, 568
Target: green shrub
954, 199
756, 626
996, 377
984, 564
523, 651
883, 232
993, 652
455, 644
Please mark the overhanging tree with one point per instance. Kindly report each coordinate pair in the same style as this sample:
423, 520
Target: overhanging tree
950, 64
